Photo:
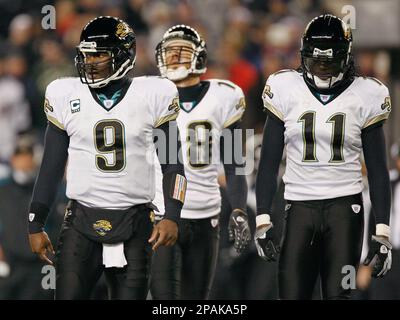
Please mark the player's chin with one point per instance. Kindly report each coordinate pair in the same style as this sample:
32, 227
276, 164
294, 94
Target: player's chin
96, 76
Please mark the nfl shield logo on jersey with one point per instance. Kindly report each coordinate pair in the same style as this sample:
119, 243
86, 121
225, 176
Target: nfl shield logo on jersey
75, 105
356, 208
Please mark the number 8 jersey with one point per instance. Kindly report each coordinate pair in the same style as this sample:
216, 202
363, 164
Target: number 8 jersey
200, 129
110, 154
323, 133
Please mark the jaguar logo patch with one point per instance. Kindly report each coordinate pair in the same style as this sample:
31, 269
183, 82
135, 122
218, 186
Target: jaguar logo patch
47, 106
174, 105
267, 91
122, 30
386, 104
102, 227
241, 104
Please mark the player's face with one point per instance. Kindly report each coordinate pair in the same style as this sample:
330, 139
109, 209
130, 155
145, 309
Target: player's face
324, 68
98, 65
178, 53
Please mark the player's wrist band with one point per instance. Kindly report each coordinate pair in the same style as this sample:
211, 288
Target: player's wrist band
173, 210
383, 230
38, 213
263, 219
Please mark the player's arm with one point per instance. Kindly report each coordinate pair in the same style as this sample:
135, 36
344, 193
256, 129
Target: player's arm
174, 186
374, 148
236, 185
51, 172
266, 185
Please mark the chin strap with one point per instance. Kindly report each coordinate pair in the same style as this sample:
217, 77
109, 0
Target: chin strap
325, 84
177, 74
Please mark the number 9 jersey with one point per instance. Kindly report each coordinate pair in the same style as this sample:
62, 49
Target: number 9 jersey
110, 154
323, 132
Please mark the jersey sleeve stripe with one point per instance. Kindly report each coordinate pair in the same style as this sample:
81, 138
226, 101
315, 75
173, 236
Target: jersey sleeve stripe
232, 120
376, 119
165, 119
55, 121
272, 109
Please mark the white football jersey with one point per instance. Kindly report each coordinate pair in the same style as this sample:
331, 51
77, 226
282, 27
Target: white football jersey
200, 130
111, 162
323, 139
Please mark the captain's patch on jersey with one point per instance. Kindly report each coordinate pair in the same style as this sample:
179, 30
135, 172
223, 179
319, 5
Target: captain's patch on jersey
75, 105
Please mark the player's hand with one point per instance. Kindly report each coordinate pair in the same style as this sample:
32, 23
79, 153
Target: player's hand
165, 233
380, 255
239, 230
40, 244
264, 238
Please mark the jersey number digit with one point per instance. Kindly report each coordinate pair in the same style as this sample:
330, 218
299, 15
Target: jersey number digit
308, 132
308, 120
109, 140
199, 140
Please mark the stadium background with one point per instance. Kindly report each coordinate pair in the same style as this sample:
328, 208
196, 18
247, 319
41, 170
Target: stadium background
247, 41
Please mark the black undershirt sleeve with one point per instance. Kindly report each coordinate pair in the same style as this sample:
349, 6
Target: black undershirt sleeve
236, 183
374, 148
51, 172
169, 155
271, 156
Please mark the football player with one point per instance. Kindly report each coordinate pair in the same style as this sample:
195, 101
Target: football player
210, 112
325, 115
103, 122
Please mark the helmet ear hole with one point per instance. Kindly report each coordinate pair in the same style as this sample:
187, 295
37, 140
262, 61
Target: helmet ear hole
201, 60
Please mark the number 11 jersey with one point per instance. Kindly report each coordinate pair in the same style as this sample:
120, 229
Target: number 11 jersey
323, 133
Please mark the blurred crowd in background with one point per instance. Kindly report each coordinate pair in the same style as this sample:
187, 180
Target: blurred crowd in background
247, 41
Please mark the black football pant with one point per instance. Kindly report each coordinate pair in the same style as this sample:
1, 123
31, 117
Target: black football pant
186, 270
320, 238
79, 264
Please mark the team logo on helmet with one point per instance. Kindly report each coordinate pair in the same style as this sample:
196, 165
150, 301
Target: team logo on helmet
122, 30
102, 227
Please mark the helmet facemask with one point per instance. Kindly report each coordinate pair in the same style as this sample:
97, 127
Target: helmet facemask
180, 55
326, 52
325, 67
95, 74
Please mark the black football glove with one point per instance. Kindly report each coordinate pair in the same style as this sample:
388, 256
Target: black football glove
239, 230
380, 254
265, 239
